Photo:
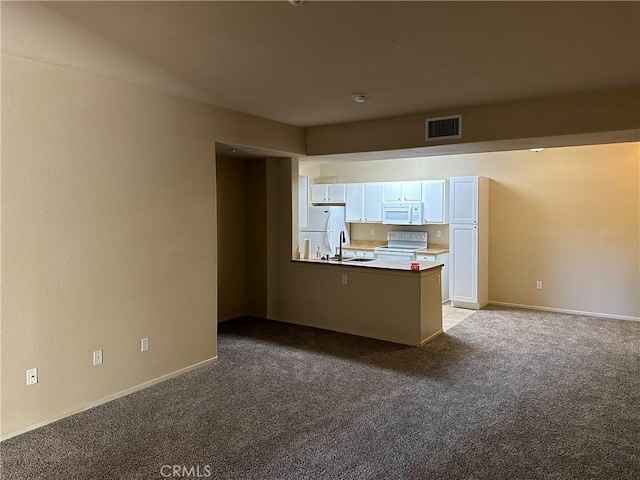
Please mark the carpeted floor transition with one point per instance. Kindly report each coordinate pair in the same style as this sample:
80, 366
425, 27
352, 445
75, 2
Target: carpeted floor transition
506, 394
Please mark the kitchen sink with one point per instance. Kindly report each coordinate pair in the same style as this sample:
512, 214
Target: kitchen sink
360, 259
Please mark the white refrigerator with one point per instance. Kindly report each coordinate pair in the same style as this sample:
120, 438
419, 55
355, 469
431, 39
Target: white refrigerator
325, 224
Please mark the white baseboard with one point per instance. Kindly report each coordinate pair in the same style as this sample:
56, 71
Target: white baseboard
431, 337
467, 305
564, 310
109, 398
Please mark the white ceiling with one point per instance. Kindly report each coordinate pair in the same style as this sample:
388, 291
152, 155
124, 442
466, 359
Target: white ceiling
300, 65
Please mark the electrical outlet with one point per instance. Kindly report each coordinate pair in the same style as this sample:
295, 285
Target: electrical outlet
32, 376
144, 344
539, 285
344, 279
438, 233
373, 232
97, 357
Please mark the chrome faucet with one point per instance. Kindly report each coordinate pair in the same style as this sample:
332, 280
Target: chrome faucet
342, 240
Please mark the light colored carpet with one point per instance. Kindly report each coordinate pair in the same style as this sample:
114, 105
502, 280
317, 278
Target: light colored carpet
505, 394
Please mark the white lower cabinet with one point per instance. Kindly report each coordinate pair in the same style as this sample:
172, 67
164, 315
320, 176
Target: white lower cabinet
348, 253
463, 240
444, 275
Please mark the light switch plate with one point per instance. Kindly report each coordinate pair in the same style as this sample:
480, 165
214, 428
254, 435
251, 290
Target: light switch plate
97, 357
32, 376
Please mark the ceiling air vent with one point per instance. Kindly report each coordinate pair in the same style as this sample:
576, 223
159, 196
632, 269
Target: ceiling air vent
444, 127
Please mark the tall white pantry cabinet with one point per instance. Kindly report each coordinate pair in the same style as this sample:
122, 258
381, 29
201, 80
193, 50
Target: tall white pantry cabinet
469, 241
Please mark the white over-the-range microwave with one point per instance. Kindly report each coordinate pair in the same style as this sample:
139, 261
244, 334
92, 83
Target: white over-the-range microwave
405, 213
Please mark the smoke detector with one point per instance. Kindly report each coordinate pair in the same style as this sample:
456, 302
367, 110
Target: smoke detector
359, 97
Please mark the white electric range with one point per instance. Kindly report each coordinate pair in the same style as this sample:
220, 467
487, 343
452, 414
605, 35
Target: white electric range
401, 245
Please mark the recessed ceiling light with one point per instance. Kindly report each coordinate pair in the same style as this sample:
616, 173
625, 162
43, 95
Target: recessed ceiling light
359, 97
536, 150
295, 3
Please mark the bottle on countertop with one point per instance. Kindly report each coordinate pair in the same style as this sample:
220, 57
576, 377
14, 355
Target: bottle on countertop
318, 253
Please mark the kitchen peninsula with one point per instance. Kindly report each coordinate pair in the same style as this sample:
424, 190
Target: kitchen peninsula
382, 299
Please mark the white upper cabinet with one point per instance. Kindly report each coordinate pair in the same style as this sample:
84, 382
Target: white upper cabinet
392, 192
364, 202
402, 192
318, 193
355, 203
464, 200
336, 193
435, 198
328, 193
373, 202
411, 191
303, 201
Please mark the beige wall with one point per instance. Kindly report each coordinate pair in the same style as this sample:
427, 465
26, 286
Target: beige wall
231, 208
108, 234
362, 231
242, 237
281, 175
566, 216
256, 239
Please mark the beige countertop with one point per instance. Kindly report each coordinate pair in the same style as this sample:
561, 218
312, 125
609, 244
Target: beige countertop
433, 249
370, 245
382, 264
